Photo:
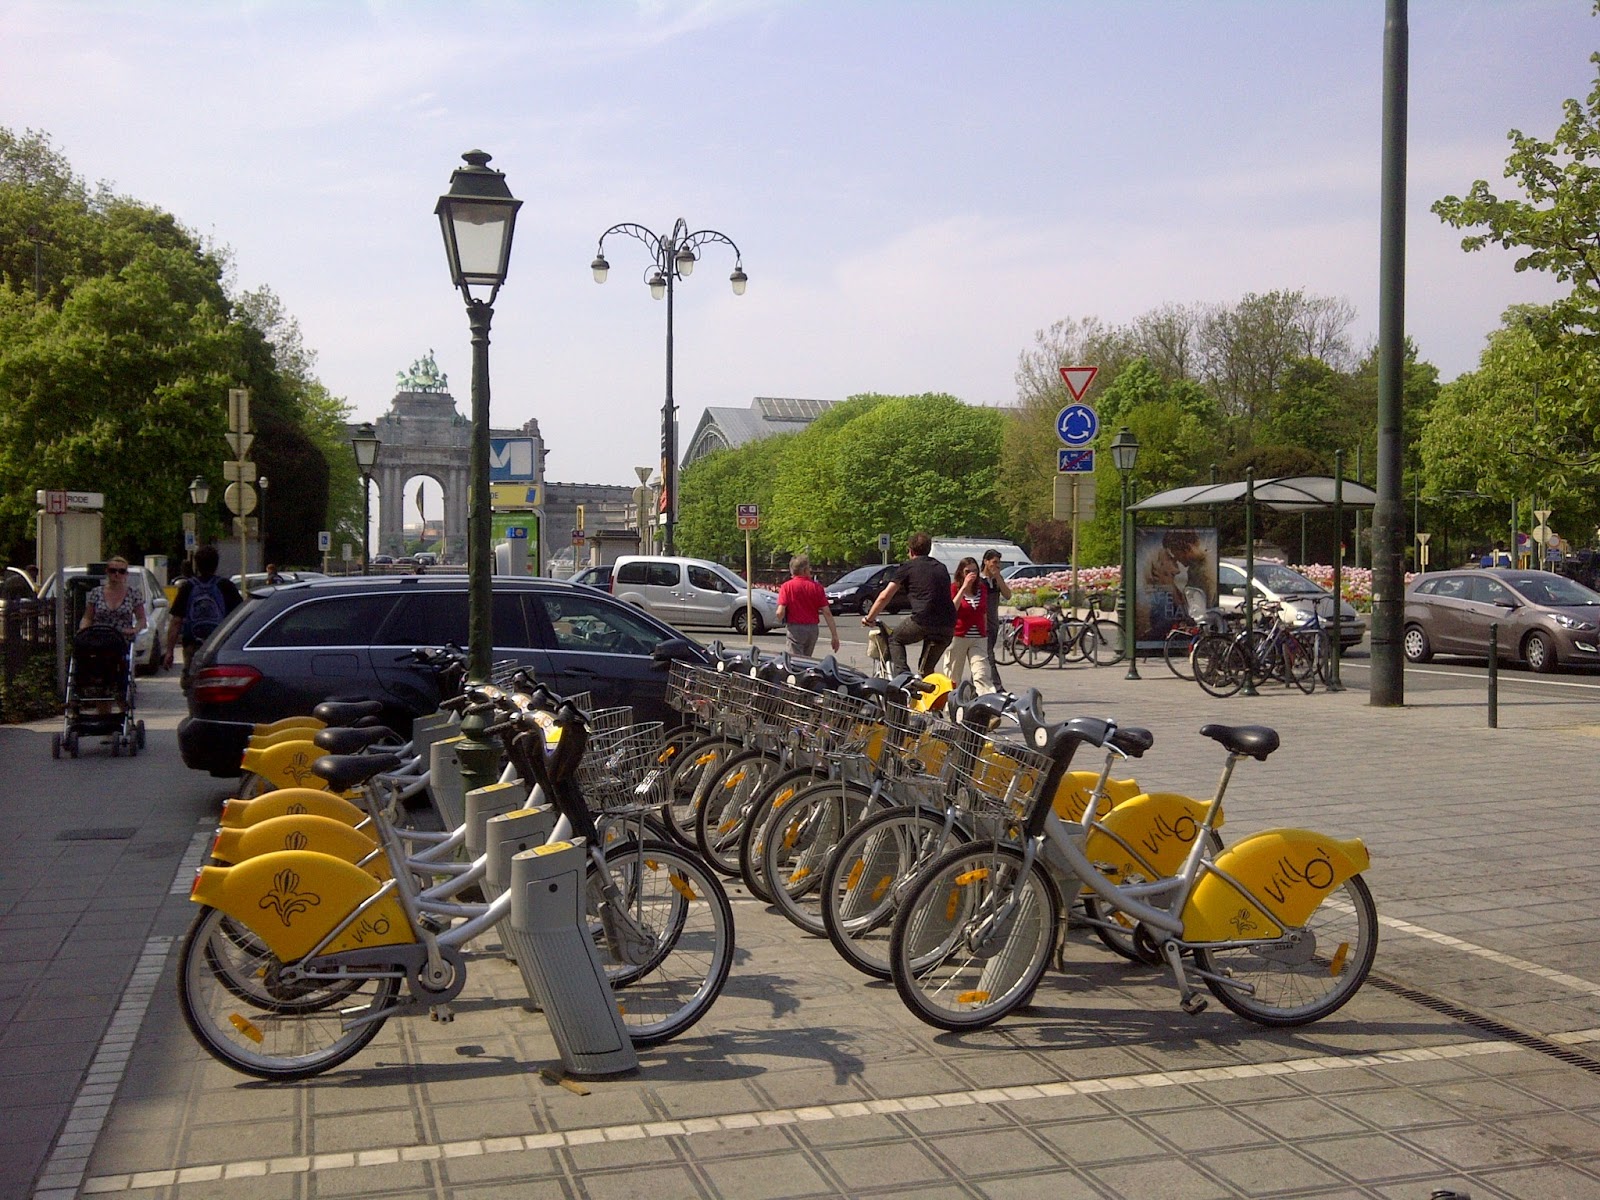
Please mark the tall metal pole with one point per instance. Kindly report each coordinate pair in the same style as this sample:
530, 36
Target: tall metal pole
366, 522
1334, 647
480, 563
1130, 637
1388, 520
669, 431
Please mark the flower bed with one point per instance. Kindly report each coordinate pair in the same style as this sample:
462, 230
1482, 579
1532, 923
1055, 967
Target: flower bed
1355, 583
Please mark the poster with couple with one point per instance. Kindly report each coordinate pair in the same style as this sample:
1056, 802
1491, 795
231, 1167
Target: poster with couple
1175, 570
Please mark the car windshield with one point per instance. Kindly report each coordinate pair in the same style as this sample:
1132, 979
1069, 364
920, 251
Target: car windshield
1281, 581
1544, 587
859, 575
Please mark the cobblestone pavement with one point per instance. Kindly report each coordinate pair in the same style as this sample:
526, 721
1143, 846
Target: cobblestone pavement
1469, 1062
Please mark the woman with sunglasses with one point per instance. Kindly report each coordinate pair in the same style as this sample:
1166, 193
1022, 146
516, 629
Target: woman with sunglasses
115, 602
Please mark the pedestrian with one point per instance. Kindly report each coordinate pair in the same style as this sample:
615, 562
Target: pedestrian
801, 601
115, 603
932, 621
273, 578
995, 589
968, 648
202, 601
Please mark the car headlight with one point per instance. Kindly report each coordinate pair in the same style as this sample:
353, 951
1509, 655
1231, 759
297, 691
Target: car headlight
1566, 622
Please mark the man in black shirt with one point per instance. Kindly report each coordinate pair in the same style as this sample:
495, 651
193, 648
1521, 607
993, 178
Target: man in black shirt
933, 613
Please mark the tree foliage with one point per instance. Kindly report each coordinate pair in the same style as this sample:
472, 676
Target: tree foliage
118, 343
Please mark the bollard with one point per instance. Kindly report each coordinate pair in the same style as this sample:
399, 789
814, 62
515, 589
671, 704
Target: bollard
549, 933
1494, 675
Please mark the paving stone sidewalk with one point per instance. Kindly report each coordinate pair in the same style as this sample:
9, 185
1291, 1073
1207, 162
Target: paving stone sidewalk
1472, 1061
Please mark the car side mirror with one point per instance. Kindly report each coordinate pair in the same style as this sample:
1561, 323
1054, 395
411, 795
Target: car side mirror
676, 650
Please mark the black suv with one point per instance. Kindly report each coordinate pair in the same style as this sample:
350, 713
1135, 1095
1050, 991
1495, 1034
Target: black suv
283, 652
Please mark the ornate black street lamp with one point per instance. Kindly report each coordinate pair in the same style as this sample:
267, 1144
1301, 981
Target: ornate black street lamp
199, 493
365, 443
673, 258
478, 216
1125, 454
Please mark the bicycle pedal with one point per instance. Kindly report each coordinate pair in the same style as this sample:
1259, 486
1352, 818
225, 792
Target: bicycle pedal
1194, 1004
442, 1013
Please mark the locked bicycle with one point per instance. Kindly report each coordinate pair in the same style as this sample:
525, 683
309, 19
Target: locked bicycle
1281, 928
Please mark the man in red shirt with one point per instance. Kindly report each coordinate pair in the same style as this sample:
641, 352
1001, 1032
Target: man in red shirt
801, 601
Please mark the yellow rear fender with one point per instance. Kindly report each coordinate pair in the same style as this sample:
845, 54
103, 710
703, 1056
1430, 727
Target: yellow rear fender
1148, 836
933, 701
1270, 883
287, 764
310, 724
290, 802
300, 832
292, 900
263, 741
1072, 793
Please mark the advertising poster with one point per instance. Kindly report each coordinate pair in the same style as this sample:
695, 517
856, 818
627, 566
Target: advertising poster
1170, 562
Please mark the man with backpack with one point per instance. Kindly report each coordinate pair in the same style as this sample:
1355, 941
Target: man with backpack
201, 603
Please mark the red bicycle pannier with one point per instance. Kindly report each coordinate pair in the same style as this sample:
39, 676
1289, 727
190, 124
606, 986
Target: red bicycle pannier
1036, 631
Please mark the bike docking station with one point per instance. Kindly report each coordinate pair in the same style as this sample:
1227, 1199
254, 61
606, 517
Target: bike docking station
549, 937
445, 782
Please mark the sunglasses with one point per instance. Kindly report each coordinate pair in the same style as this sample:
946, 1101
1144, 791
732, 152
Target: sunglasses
116, 570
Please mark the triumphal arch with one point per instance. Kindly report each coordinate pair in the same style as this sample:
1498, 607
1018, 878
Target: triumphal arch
422, 434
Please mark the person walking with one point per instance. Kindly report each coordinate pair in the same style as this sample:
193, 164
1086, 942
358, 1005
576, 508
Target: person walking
115, 602
932, 622
801, 601
967, 647
995, 589
202, 601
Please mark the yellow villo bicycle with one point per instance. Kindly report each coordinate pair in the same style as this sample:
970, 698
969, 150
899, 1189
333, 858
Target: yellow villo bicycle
1280, 927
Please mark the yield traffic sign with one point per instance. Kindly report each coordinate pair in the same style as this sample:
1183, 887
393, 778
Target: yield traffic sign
1078, 379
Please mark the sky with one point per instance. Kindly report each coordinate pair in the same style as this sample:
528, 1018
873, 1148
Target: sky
915, 189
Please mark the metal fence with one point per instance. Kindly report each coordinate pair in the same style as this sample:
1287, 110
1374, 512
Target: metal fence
27, 631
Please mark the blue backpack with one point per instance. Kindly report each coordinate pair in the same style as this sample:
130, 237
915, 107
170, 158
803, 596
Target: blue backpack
205, 609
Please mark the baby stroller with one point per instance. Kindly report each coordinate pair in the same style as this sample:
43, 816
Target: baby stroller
100, 687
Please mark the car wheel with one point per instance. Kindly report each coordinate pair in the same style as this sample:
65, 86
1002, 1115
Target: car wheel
1415, 643
1538, 651
738, 621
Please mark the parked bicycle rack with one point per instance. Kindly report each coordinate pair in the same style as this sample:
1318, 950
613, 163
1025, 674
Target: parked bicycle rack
445, 781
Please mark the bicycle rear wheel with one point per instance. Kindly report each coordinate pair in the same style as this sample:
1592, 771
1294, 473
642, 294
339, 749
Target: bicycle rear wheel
1005, 644
798, 842
871, 869
300, 1036
677, 910
1305, 975
1030, 655
1298, 663
974, 937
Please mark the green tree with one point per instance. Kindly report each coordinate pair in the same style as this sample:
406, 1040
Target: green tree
809, 510
711, 489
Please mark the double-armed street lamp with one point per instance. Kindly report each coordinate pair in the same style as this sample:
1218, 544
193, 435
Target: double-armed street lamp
477, 217
673, 258
365, 443
1125, 454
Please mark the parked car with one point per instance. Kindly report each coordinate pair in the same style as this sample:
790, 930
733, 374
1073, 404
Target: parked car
148, 646
854, 592
690, 591
595, 577
1024, 571
383, 560
1277, 584
286, 650
258, 579
426, 558
1545, 619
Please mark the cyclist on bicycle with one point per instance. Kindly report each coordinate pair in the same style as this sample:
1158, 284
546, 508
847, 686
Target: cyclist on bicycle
932, 622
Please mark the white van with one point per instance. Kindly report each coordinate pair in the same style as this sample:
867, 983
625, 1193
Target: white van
690, 591
951, 551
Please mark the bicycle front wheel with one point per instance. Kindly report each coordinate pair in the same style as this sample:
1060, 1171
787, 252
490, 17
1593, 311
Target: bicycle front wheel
1108, 645
292, 1037
673, 914
873, 866
1305, 975
1176, 651
752, 869
693, 766
974, 937
1218, 664
798, 842
728, 799
1005, 645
